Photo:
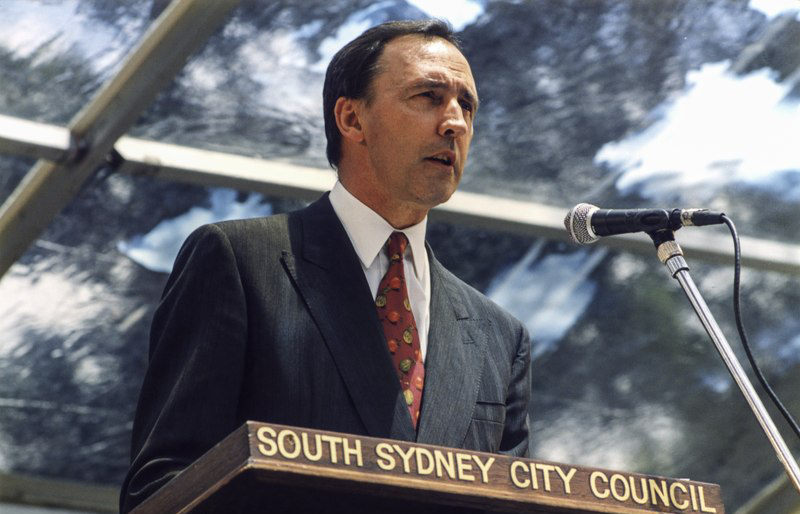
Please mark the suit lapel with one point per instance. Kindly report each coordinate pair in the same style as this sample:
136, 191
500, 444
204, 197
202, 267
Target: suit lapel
453, 364
326, 270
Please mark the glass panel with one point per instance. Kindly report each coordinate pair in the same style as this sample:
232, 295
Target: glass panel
620, 104
54, 55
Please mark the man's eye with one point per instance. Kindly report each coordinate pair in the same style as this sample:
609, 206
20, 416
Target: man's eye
467, 106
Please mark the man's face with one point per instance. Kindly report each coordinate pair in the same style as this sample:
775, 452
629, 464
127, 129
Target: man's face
417, 123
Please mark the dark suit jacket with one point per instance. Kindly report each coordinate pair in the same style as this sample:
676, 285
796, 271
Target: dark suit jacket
271, 319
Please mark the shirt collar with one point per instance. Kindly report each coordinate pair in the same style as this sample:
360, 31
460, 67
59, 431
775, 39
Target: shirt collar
368, 231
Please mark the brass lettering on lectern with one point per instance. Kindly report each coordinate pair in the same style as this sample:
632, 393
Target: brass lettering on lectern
527, 476
643, 491
421, 461
380, 459
289, 445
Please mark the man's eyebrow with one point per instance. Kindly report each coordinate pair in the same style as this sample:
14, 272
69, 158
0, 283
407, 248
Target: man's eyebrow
439, 84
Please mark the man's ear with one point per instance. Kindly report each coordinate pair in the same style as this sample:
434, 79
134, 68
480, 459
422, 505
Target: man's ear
347, 112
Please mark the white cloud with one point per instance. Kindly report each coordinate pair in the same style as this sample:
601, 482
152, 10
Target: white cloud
356, 23
722, 128
772, 8
584, 434
63, 303
64, 26
459, 13
548, 294
35, 298
157, 249
280, 64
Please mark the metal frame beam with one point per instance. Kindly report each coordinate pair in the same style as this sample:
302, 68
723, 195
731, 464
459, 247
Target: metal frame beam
203, 167
179, 31
33, 139
49, 492
218, 169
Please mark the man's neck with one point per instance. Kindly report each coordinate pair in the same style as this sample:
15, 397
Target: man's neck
398, 214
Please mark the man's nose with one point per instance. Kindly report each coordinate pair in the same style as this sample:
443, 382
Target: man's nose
453, 123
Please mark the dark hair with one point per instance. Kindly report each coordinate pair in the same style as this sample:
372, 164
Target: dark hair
352, 69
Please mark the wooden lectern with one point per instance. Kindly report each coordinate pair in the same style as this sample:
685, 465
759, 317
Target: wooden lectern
272, 468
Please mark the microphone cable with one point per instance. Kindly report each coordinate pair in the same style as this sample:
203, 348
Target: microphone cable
737, 257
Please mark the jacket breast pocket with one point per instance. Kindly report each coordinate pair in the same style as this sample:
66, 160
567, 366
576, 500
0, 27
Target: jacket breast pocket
489, 411
486, 427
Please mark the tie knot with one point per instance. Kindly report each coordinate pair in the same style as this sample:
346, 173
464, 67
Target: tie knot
397, 245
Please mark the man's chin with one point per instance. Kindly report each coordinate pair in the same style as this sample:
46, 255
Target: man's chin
436, 196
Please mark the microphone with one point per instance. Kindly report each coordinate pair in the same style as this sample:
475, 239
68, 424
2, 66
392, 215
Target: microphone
586, 223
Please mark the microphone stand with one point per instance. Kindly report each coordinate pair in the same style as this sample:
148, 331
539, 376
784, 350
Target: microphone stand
671, 255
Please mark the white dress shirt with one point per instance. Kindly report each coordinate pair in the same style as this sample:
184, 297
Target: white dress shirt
368, 232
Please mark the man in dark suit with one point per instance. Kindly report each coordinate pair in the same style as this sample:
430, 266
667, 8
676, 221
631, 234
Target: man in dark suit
304, 319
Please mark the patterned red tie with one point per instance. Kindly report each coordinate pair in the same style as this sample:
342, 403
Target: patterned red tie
394, 312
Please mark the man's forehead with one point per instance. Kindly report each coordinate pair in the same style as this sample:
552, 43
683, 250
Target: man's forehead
419, 58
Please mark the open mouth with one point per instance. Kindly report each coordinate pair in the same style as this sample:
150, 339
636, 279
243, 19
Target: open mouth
445, 159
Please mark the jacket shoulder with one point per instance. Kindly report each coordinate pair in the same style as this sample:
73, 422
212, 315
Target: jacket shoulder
243, 236
269, 227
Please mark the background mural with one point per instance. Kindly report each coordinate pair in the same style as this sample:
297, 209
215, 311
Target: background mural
619, 103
